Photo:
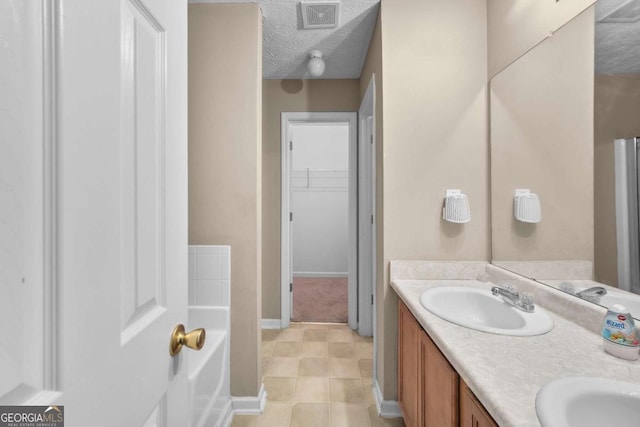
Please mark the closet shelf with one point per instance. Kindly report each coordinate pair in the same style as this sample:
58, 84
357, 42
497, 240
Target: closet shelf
320, 179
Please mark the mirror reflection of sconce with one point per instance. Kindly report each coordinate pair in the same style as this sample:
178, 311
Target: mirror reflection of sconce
456, 207
526, 206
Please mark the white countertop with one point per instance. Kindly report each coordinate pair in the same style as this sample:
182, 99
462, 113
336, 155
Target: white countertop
506, 372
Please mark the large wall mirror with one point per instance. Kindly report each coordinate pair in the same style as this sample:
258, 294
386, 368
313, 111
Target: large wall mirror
555, 113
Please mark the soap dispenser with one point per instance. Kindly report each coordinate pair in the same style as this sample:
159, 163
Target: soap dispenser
619, 333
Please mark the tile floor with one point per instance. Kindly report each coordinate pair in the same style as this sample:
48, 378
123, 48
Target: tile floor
317, 375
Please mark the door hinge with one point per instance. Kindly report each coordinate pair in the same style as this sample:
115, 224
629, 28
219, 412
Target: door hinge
371, 139
290, 287
371, 299
290, 216
371, 218
290, 145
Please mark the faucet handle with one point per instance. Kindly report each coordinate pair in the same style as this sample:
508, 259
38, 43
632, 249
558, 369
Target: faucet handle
509, 287
526, 298
526, 302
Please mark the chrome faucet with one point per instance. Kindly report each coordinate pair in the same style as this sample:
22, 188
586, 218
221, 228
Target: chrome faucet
522, 301
592, 294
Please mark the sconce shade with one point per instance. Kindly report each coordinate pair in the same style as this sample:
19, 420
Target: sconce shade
316, 64
456, 207
526, 206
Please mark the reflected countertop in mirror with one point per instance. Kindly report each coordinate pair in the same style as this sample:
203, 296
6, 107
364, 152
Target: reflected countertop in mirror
555, 112
574, 277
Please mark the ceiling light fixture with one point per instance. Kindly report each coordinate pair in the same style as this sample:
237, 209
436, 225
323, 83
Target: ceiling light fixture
316, 64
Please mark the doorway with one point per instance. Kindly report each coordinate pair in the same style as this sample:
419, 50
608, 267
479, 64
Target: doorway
319, 218
320, 227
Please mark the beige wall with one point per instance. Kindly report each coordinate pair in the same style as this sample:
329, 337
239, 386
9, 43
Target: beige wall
288, 96
434, 60
225, 130
434, 136
616, 116
515, 26
541, 139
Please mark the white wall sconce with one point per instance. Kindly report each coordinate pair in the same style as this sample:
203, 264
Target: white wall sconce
316, 64
526, 206
456, 207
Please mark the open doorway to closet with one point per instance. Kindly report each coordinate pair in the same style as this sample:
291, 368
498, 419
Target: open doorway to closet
320, 227
319, 220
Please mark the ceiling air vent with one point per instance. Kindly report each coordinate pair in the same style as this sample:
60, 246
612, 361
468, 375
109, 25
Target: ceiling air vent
320, 14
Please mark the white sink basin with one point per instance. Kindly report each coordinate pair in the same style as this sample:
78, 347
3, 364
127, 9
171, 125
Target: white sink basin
479, 309
588, 402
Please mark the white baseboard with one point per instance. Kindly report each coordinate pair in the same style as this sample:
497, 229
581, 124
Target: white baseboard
227, 416
386, 408
250, 405
271, 324
319, 274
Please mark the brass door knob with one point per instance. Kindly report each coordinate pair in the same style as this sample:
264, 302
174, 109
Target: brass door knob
193, 339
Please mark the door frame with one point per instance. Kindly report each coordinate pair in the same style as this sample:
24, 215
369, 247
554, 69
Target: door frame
42, 332
51, 289
286, 295
367, 211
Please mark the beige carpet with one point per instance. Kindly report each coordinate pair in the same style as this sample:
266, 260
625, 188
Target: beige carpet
320, 299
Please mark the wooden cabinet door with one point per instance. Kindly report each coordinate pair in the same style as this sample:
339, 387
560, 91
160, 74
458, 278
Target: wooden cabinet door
409, 374
472, 413
439, 387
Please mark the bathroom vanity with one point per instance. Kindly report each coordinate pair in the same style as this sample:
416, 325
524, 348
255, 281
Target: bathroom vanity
452, 375
430, 391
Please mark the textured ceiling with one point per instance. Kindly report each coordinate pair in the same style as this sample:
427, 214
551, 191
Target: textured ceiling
286, 46
617, 36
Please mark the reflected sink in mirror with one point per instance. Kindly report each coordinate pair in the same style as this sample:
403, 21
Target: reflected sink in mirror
613, 296
588, 402
480, 310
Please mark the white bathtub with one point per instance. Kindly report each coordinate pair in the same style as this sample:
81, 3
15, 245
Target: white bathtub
209, 369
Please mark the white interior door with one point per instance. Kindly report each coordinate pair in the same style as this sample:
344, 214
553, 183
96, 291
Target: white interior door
366, 213
286, 226
290, 225
114, 192
122, 210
